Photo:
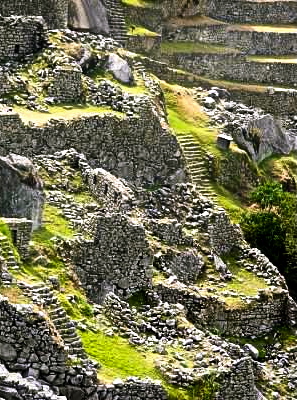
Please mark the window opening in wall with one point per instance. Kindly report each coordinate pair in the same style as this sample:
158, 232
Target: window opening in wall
14, 236
105, 188
17, 49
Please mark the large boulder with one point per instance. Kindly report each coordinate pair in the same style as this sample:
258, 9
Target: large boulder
21, 194
88, 15
263, 137
119, 68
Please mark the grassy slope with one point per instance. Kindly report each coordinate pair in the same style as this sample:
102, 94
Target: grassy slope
185, 116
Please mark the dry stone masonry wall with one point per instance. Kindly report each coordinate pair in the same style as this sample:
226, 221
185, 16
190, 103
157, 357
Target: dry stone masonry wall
263, 12
260, 317
248, 41
138, 149
119, 258
55, 12
21, 36
29, 346
236, 67
66, 85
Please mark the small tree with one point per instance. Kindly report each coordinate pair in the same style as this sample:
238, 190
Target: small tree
273, 228
268, 195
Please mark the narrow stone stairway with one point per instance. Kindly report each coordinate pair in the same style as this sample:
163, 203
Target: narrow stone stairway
116, 20
43, 295
8, 254
196, 162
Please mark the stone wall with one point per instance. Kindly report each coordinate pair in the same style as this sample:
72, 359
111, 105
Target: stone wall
239, 382
21, 193
235, 68
143, 43
132, 388
29, 345
263, 12
257, 318
139, 148
21, 232
66, 85
55, 12
223, 235
236, 172
268, 100
20, 36
14, 387
5, 84
109, 191
185, 264
117, 259
149, 17
249, 41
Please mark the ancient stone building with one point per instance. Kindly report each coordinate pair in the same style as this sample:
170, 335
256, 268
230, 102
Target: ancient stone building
55, 12
20, 36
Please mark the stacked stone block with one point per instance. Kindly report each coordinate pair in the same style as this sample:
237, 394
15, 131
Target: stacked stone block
118, 259
55, 12
21, 36
250, 11
66, 86
21, 231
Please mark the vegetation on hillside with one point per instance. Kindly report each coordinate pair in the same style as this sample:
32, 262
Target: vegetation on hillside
272, 227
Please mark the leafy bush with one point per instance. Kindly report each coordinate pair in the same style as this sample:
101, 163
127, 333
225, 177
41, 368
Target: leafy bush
272, 227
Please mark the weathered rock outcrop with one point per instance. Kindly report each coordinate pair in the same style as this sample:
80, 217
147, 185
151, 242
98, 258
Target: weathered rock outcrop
263, 137
88, 15
20, 190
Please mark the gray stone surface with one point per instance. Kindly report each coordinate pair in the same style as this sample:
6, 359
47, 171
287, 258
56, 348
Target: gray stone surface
119, 68
20, 190
88, 15
263, 137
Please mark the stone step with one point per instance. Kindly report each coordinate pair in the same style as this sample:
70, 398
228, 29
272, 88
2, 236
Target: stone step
76, 342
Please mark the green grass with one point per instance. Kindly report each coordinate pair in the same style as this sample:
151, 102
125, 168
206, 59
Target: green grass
243, 283
194, 47
118, 358
141, 31
54, 224
289, 59
4, 229
186, 117
280, 167
229, 202
74, 111
139, 3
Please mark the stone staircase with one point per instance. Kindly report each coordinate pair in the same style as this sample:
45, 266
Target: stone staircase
7, 253
197, 165
116, 20
43, 295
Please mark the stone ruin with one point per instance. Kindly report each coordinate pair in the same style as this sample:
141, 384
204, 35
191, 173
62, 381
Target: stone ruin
132, 230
